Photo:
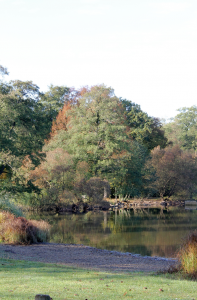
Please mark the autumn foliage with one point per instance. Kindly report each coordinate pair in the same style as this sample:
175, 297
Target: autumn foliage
63, 117
174, 170
61, 121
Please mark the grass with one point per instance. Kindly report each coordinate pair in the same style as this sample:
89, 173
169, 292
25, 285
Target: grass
23, 280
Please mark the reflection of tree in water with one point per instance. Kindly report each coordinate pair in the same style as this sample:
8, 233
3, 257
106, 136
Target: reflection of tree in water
147, 231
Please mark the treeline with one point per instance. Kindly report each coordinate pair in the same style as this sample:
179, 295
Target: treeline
70, 146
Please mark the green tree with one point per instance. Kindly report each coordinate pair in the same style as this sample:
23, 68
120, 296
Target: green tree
53, 100
97, 134
141, 127
182, 130
22, 130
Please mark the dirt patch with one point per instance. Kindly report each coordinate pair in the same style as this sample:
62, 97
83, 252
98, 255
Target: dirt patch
85, 257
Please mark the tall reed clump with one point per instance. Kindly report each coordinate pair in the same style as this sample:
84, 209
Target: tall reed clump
18, 230
188, 255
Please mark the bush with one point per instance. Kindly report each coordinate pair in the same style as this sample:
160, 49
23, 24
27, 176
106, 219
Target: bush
7, 204
188, 255
18, 230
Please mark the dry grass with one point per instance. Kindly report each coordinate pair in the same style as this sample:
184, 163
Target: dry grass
18, 230
188, 255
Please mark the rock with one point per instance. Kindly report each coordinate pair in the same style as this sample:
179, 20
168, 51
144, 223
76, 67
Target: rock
190, 202
42, 297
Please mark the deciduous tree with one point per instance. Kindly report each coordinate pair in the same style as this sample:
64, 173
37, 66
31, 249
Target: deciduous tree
182, 130
175, 171
144, 129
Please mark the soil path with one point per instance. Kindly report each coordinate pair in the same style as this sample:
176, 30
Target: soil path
85, 257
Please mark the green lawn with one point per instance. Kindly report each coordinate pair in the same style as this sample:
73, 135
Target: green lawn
23, 280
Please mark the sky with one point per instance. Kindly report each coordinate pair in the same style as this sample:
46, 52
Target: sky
146, 50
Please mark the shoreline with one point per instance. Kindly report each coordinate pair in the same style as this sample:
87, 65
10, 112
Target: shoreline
126, 253
87, 257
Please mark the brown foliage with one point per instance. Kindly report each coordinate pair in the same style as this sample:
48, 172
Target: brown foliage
55, 167
61, 121
82, 170
176, 171
63, 117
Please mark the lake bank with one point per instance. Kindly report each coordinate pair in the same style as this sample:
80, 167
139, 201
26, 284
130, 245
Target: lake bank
86, 257
108, 204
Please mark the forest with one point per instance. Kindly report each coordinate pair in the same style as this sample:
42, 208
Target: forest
67, 146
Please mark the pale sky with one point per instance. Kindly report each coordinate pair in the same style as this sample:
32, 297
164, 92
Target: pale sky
146, 50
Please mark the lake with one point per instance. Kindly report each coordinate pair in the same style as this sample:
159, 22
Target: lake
149, 231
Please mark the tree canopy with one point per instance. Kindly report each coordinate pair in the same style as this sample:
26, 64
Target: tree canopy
144, 129
68, 143
182, 129
96, 133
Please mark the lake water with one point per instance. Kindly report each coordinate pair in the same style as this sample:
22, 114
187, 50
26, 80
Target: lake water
149, 231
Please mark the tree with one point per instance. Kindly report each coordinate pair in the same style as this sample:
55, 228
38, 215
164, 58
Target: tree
71, 100
175, 171
96, 134
62, 184
61, 121
54, 177
53, 100
182, 130
141, 127
3, 70
13, 178
22, 130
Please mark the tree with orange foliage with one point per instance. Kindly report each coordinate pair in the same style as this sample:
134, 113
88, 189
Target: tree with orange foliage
63, 117
96, 134
61, 121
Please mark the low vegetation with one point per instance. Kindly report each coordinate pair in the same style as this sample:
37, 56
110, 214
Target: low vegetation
188, 256
8, 204
18, 230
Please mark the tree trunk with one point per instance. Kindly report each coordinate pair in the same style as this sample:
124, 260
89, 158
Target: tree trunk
105, 192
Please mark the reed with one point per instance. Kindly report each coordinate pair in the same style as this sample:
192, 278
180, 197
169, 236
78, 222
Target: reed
188, 255
18, 230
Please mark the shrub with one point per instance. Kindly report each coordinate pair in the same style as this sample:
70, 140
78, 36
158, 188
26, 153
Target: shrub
7, 204
188, 255
18, 230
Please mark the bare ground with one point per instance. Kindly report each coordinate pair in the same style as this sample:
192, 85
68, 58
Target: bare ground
85, 257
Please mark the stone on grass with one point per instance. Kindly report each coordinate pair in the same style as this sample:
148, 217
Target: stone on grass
42, 297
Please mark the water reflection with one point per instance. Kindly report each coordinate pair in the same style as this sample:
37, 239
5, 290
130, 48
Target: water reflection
149, 231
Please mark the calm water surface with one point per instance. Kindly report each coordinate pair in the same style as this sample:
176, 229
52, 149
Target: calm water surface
150, 231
